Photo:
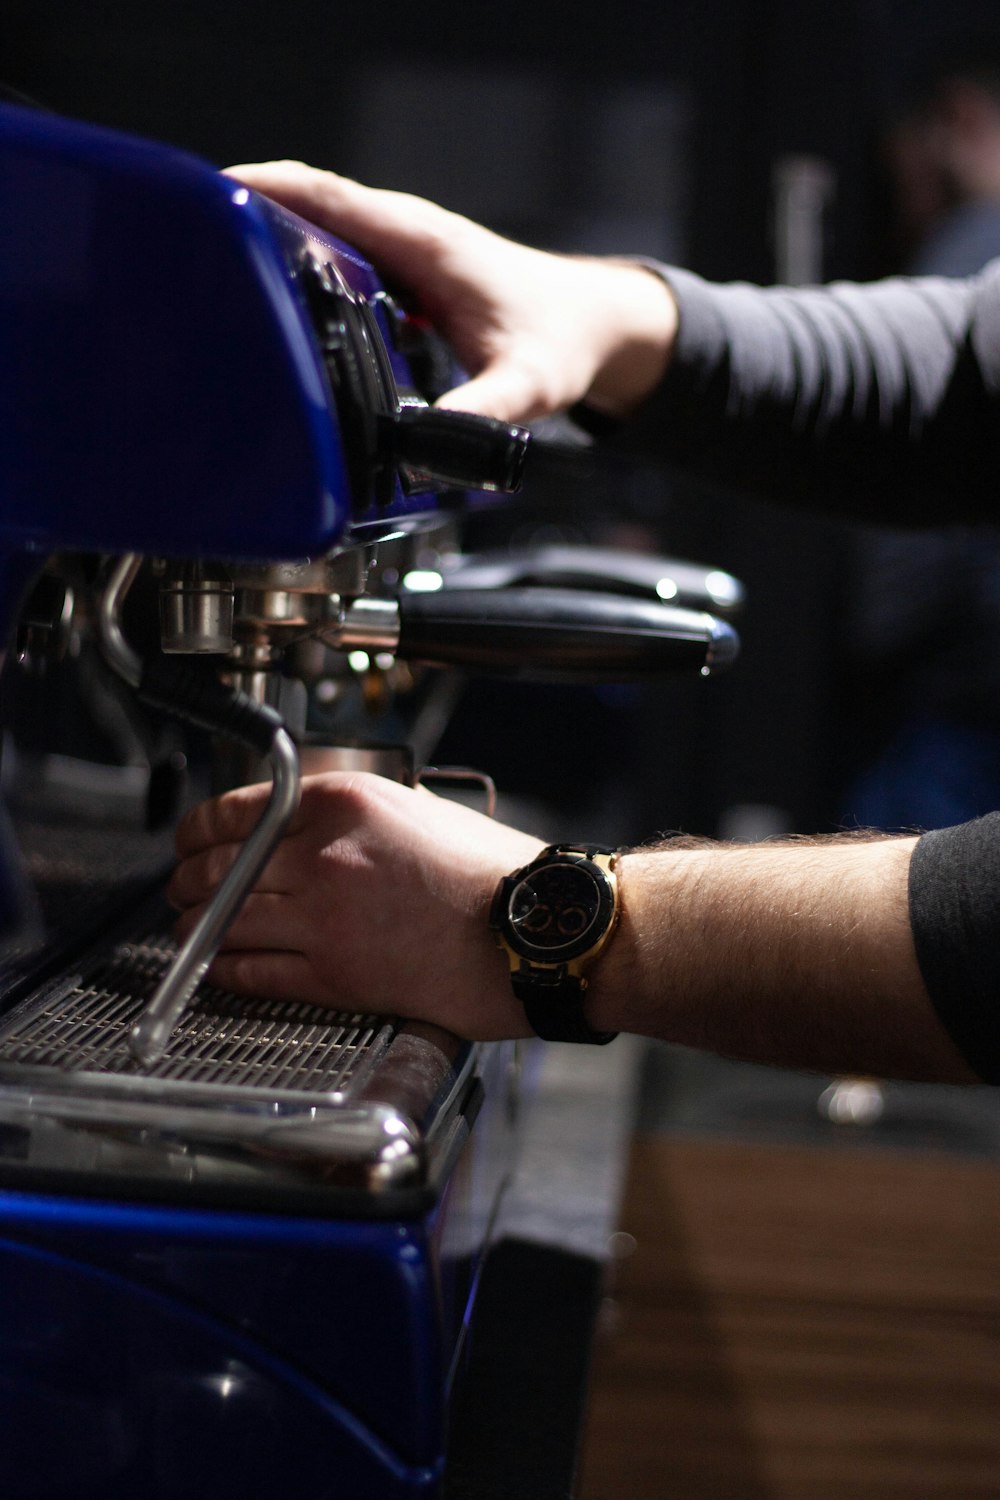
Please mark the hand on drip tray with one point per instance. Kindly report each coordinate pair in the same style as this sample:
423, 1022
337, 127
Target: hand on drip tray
376, 900
537, 332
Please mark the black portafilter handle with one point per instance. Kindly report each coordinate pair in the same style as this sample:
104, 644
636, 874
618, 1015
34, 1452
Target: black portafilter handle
455, 449
561, 634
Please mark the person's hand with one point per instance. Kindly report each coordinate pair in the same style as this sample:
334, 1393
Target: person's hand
536, 332
376, 900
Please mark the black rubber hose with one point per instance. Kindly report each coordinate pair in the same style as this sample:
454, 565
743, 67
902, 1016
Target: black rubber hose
195, 694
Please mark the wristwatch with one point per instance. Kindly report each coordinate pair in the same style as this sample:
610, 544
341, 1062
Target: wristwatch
552, 918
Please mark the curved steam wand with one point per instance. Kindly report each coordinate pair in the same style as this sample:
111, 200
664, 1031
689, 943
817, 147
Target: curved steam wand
206, 703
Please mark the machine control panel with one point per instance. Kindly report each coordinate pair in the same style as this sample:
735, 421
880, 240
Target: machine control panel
391, 433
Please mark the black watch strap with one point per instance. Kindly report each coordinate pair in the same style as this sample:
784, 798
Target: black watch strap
553, 1004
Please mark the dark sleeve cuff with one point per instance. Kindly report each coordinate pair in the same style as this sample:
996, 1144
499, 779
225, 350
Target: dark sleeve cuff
954, 898
698, 368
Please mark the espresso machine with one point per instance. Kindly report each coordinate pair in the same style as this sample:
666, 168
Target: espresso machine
239, 1239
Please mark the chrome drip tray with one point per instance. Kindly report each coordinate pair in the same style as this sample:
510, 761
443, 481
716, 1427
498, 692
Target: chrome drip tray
81, 1025
260, 1103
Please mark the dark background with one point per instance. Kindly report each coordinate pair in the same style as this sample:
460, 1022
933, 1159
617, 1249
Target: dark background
747, 81
619, 127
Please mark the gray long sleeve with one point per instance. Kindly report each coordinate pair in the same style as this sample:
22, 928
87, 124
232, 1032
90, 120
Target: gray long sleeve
955, 918
881, 401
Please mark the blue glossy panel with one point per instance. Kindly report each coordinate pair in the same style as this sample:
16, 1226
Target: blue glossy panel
353, 1308
110, 1392
162, 390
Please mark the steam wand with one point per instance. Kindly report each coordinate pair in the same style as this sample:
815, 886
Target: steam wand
200, 700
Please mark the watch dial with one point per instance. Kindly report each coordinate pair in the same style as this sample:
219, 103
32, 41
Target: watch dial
554, 908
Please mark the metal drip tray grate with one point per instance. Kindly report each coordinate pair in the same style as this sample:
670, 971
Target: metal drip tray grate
81, 1024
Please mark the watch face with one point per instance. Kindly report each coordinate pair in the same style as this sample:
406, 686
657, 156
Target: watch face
558, 911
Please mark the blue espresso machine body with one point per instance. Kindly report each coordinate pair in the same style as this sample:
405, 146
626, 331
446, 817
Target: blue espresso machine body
162, 392
162, 1351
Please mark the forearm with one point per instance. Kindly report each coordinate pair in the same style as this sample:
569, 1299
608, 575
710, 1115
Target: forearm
798, 954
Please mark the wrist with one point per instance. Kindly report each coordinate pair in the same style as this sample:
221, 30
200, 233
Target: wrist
641, 317
485, 975
613, 1000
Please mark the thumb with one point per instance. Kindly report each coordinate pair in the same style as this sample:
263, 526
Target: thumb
504, 390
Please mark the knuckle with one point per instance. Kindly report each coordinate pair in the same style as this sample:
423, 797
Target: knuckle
246, 973
350, 794
243, 969
217, 865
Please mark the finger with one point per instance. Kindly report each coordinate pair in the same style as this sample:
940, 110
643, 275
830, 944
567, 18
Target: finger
265, 920
233, 817
197, 877
223, 820
229, 819
271, 974
391, 228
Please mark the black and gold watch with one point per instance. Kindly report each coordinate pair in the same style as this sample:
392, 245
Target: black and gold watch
552, 918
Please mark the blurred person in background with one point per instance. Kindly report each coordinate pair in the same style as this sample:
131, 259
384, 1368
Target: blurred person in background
922, 628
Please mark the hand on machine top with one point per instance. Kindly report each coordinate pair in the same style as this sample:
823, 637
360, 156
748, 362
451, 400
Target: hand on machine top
537, 332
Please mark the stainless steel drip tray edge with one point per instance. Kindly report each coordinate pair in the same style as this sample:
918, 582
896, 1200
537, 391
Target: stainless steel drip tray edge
116, 1136
283, 1195
269, 1103
365, 1162
155, 1093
